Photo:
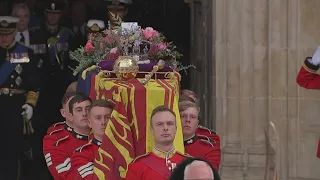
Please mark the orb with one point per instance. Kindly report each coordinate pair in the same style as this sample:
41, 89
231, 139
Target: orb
125, 68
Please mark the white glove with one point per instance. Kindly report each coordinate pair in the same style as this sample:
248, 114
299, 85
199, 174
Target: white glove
28, 110
316, 57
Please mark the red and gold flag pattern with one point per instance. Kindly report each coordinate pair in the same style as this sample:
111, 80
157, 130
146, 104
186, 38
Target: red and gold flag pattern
128, 134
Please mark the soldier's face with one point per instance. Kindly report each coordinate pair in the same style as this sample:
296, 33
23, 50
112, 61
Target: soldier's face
23, 16
53, 18
6, 39
189, 120
163, 127
98, 119
80, 114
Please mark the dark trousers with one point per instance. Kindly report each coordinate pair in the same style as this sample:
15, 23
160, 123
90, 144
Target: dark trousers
11, 133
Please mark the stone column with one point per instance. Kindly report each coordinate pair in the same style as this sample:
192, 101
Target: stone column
228, 51
257, 150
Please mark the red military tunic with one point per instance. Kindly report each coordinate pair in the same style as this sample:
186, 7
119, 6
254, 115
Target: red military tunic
201, 130
307, 78
58, 159
156, 165
200, 147
82, 161
56, 126
50, 139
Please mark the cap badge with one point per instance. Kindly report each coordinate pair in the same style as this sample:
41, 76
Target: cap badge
4, 23
53, 6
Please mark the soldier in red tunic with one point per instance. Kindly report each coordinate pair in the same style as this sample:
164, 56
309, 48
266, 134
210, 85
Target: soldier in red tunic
62, 129
197, 145
188, 95
158, 164
58, 155
307, 77
82, 161
204, 131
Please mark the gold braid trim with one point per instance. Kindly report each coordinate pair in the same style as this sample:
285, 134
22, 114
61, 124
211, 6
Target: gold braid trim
308, 69
32, 98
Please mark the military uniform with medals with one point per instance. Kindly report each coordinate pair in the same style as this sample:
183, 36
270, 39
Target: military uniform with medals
156, 165
56, 71
18, 96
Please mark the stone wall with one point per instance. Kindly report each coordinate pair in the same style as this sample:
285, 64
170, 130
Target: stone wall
259, 48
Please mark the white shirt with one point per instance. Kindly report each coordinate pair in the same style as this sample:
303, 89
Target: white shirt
26, 37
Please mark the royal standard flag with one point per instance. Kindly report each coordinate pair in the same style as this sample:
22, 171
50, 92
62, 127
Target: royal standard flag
128, 132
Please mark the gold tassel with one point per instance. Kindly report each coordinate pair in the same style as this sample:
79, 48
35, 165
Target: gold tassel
84, 73
32, 98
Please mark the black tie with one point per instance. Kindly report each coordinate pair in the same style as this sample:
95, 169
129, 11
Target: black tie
22, 38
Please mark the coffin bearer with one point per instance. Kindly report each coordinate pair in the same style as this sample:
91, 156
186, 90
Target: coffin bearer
158, 164
197, 145
82, 161
18, 94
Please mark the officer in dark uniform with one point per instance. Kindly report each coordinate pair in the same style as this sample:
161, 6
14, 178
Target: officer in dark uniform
18, 95
57, 74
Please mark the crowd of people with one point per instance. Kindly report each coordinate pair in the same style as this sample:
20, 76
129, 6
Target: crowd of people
48, 121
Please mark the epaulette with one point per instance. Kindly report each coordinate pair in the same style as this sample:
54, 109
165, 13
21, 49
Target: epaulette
55, 131
141, 156
79, 149
206, 139
185, 154
62, 139
207, 129
58, 123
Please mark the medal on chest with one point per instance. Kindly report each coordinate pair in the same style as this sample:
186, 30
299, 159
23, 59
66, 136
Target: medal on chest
170, 165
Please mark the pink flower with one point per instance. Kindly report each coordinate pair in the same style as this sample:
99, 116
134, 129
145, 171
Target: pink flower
101, 46
113, 50
162, 46
108, 39
111, 56
89, 46
150, 33
154, 49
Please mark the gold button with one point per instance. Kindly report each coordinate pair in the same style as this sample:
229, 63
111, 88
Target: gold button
12, 76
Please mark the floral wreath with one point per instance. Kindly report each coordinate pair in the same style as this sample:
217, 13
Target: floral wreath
144, 45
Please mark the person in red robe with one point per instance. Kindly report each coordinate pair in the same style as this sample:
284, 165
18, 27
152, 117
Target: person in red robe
158, 164
307, 77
